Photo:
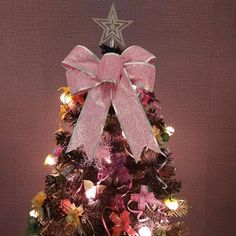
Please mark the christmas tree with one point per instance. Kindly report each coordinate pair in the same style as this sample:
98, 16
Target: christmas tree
113, 172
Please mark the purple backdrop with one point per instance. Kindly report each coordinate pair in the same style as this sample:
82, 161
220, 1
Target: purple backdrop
194, 41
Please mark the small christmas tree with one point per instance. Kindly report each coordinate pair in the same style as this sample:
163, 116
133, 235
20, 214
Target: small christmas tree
113, 174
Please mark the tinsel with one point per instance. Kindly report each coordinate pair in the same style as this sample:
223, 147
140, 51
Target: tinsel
178, 229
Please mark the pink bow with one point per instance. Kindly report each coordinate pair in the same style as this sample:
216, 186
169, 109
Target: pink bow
109, 82
145, 198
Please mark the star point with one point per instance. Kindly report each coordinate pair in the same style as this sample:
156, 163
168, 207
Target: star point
112, 27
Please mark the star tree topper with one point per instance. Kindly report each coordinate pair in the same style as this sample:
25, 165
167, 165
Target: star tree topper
112, 27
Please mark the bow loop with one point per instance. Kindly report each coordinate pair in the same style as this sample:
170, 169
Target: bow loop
141, 74
137, 54
82, 59
81, 65
138, 63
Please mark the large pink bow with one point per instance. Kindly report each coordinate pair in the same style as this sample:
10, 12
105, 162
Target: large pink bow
109, 82
145, 197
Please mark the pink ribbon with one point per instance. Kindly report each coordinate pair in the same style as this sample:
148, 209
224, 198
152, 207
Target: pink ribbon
145, 197
109, 82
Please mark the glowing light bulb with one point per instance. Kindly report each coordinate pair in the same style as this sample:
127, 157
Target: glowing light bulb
145, 231
108, 160
50, 160
65, 98
169, 130
91, 193
34, 214
172, 204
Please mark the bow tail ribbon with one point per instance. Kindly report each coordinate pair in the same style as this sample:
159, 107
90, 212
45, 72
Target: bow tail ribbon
127, 106
87, 133
132, 118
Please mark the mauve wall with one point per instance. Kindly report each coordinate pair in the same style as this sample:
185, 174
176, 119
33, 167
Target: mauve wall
194, 41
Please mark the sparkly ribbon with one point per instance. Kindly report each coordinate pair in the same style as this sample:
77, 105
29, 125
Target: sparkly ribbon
145, 197
122, 224
109, 82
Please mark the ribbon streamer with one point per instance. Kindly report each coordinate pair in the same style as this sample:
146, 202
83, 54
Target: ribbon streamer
109, 82
158, 170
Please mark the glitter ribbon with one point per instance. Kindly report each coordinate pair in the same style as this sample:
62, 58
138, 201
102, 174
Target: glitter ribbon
145, 197
109, 82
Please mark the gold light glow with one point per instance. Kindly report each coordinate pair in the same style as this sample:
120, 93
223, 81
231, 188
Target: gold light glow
50, 160
172, 204
34, 214
65, 99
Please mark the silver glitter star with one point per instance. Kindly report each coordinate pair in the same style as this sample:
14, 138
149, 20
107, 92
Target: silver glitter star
112, 27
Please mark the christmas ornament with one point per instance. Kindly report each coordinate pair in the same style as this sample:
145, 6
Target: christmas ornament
112, 27
145, 197
122, 224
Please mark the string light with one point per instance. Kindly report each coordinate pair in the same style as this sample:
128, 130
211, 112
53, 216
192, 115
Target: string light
145, 231
91, 193
172, 204
34, 214
169, 130
108, 159
50, 160
65, 98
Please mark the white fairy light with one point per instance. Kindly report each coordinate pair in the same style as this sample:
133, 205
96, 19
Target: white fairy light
108, 160
34, 214
91, 193
172, 204
145, 231
65, 98
50, 160
169, 130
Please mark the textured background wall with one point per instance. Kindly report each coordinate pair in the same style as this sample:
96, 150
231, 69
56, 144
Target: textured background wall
194, 41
